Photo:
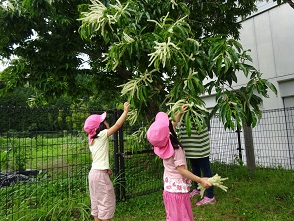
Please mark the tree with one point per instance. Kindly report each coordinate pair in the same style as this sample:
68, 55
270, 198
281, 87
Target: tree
40, 39
176, 52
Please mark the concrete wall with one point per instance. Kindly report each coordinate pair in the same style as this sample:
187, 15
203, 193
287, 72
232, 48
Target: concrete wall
269, 34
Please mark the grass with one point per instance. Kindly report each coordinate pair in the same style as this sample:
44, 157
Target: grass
266, 195
59, 200
61, 192
42, 153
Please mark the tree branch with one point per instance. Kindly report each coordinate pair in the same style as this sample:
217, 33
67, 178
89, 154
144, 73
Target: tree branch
291, 3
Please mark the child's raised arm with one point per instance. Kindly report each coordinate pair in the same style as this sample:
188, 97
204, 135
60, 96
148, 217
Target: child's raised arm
119, 121
178, 115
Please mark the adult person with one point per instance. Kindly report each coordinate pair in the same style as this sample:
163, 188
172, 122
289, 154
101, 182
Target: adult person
197, 147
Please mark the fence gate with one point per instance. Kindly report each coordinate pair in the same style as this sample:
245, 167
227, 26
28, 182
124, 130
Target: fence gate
137, 172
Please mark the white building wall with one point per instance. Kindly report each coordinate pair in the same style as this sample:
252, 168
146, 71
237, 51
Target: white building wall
269, 34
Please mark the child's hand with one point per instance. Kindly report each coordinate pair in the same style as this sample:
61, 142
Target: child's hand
216, 180
109, 171
126, 106
184, 107
205, 183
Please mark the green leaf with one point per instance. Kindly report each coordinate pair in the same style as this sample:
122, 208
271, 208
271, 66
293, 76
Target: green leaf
219, 64
271, 86
188, 124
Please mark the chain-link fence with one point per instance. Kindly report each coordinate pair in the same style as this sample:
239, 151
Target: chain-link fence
273, 140
44, 154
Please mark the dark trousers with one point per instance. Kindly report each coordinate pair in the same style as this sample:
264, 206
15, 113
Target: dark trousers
201, 168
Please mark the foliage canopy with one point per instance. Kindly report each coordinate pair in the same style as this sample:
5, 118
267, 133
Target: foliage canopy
40, 40
160, 52
175, 58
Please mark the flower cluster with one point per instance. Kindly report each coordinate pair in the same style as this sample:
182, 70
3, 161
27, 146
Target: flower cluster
216, 180
162, 51
97, 17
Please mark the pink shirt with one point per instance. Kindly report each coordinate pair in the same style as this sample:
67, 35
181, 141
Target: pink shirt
174, 182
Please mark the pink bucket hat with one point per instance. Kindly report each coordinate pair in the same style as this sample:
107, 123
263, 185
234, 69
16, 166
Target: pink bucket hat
158, 135
92, 123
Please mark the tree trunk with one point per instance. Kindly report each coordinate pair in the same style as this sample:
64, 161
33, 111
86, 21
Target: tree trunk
249, 148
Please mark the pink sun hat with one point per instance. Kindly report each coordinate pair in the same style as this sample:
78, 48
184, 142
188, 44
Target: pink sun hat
92, 123
158, 135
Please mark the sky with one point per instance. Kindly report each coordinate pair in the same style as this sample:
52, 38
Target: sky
2, 65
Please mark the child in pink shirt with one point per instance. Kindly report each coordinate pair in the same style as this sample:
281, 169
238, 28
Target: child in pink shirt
177, 179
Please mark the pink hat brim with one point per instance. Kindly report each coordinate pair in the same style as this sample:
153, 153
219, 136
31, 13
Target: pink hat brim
158, 135
165, 152
92, 123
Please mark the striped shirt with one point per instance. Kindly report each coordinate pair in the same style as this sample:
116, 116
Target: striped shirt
197, 145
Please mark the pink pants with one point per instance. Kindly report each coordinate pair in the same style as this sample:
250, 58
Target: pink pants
177, 206
101, 194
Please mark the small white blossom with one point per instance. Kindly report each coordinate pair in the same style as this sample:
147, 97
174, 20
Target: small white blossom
173, 4
191, 74
216, 180
132, 87
118, 7
127, 38
7, 6
162, 51
97, 18
163, 22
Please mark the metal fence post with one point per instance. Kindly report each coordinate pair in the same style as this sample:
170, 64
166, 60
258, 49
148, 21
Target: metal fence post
116, 158
288, 137
239, 143
122, 161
